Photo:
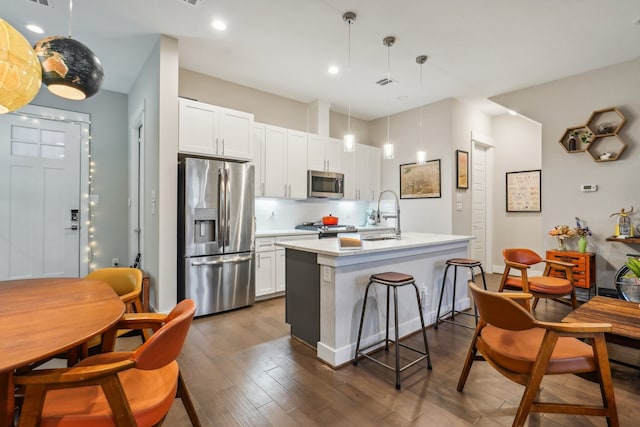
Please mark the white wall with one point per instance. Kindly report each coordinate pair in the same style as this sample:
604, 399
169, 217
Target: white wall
161, 147
465, 120
568, 102
517, 148
421, 215
282, 214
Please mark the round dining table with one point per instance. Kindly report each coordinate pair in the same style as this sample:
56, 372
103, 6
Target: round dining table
40, 318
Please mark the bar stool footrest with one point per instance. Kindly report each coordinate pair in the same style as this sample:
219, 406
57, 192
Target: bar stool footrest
361, 354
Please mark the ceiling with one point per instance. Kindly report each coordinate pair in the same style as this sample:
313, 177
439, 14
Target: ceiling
476, 48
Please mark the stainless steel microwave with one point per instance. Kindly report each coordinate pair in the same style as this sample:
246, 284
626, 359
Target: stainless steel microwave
325, 184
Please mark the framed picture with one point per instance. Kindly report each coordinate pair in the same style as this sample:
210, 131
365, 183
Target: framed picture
462, 169
420, 181
523, 191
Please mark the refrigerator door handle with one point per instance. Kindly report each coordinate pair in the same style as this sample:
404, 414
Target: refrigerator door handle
221, 209
227, 214
234, 260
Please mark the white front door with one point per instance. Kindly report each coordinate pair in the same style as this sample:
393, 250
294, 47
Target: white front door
40, 207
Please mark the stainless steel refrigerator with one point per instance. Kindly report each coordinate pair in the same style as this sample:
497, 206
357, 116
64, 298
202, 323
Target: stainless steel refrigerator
216, 230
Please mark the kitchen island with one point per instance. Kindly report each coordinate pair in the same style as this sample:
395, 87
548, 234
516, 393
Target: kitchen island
325, 288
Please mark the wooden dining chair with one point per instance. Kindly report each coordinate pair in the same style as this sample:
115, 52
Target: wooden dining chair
125, 281
544, 286
524, 350
122, 389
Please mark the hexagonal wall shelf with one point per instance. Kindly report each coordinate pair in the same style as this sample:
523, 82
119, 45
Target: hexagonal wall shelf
599, 136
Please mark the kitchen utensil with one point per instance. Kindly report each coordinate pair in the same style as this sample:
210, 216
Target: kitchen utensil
330, 220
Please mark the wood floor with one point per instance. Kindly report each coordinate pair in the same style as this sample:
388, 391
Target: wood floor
243, 368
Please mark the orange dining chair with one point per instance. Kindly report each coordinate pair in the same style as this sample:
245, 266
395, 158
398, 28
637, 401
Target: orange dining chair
125, 281
524, 350
544, 286
122, 389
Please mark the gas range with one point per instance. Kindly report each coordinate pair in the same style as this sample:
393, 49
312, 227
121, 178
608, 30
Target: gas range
325, 231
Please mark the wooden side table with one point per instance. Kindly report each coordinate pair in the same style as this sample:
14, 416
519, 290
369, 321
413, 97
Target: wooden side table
584, 274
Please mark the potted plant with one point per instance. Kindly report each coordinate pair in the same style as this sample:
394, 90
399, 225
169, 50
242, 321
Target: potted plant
582, 231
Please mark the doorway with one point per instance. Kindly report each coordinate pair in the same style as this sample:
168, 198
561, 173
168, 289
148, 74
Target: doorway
44, 220
481, 196
136, 188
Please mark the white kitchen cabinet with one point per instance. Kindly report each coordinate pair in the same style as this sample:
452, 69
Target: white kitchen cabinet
285, 165
375, 171
259, 130
324, 154
281, 268
216, 131
271, 264
265, 269
362, 170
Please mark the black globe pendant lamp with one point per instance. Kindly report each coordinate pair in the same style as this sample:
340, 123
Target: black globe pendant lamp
69, 68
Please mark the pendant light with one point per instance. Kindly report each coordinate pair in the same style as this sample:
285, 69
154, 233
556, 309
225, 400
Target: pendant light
20, 72
349, 138
421, 155
387, 148
69, 68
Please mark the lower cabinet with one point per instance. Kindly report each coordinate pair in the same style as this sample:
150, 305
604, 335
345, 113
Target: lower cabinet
271, 265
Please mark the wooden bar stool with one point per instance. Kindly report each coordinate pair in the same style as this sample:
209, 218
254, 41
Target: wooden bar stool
458, 262
393, 280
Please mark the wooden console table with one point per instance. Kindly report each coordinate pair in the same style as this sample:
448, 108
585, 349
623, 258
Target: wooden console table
584, 274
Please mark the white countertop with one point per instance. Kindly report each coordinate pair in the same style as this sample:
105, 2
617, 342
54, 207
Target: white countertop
294, 232
409, 240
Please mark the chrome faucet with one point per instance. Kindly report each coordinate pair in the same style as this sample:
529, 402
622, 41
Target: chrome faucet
387, 215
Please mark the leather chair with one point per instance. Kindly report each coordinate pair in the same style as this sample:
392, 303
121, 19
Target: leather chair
525, 350
544, 286
123, 389
127, 282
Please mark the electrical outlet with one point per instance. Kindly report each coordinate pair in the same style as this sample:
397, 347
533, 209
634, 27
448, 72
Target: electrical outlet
115, 262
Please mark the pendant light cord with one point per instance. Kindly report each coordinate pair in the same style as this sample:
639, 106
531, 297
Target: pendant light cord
388, 90
421, 102
70, 15
349, 74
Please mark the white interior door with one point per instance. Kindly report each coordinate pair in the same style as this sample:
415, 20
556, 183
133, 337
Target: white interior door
40, 206
479, 204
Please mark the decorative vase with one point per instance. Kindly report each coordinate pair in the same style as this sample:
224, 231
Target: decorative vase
561, 245
582, 244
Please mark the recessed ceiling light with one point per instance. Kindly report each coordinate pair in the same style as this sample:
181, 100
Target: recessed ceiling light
333, 69
512, 112
219, 25
35, 29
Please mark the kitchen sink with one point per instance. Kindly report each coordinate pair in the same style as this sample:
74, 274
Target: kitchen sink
375, 238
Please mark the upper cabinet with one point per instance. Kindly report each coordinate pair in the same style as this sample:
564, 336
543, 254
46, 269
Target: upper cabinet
324, 153
215, 131
362, 170
259, 133
285, 163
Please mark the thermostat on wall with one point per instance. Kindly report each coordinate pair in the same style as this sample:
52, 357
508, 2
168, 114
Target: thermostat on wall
588, 187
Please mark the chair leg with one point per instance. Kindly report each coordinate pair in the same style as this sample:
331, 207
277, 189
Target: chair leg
471, 355
535, 303
537, 373
574, 300
424, 332
364, 305
606, 383
386, 342
185, 396
397, 334
484, 281
444, 280
453, 299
